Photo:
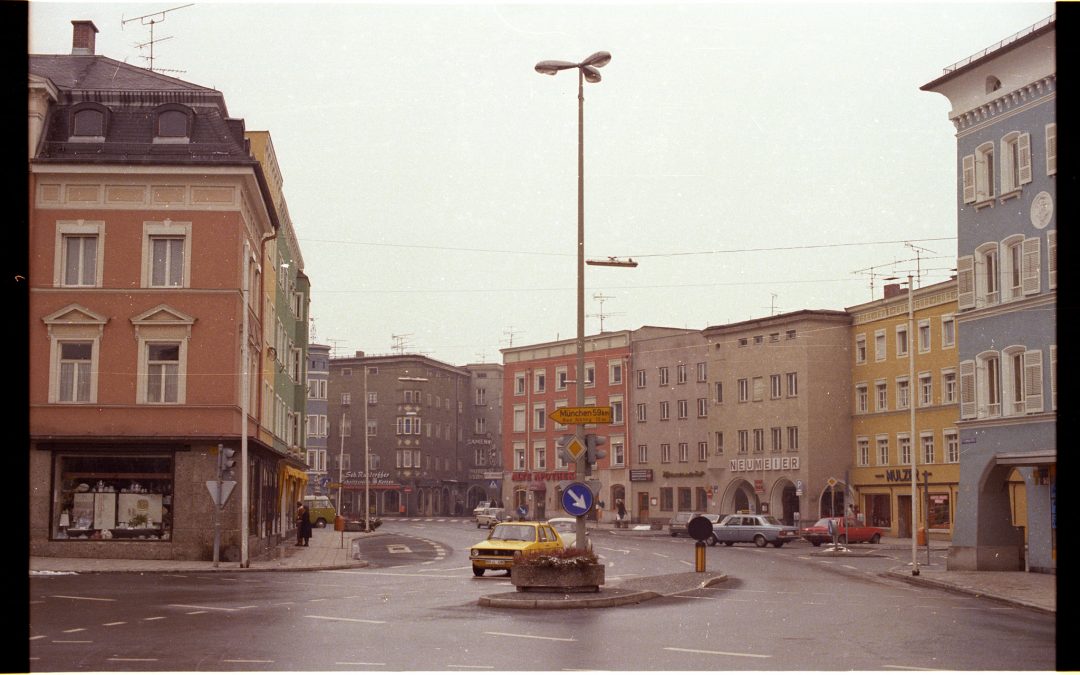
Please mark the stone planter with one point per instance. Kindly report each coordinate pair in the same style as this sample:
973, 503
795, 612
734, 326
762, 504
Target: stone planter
558, 579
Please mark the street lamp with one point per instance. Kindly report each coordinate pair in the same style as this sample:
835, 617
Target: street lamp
911, 407
367, 460
587, 70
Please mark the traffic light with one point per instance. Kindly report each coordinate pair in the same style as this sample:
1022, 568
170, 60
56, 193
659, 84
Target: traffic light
592, 448
560, 447
225, 461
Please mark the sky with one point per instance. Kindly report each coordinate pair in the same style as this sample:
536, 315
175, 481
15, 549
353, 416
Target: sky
752, 158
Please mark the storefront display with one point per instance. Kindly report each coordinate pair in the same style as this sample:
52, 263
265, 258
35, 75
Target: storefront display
113, 497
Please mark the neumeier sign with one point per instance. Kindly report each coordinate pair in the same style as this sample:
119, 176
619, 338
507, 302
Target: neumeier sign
584, 415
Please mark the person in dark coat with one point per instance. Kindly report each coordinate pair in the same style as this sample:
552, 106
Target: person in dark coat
303, 525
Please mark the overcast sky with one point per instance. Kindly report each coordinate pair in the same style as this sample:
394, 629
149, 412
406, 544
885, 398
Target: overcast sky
752, 157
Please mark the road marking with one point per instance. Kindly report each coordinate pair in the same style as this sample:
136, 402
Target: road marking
706, 651
246, 661
196, 612
152, 618
358, 663
340, 618
120, 658
73, 630
79, 597
37, 637
72, 642
907, 667
216, 609
398, 548
455, 665
393, 574
532, 637
114, 623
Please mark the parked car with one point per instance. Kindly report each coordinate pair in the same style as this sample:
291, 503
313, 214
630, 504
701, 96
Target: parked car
320, 510
481, 506
677, 524
507, 539
848, 531
567, 529
759, 529
490, 516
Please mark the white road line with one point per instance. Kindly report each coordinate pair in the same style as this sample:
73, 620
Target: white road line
392, 574
196, 612
246, 661
340, 618
79, 597
216, 609
114, 623
120, 658
73, 630
706, 651
532, 637
358, 663
906, 667
152, 618
72, 642
455, 665
36, 637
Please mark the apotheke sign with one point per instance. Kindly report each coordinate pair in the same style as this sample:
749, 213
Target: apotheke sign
764, 464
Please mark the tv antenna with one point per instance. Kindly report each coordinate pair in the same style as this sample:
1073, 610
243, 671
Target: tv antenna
151, 20
510, 333
399, 343
600, 297
772, 305
918, 260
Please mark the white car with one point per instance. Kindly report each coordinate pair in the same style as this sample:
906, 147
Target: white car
567, 529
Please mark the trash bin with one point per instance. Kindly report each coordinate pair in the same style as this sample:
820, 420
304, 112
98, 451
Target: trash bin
339, 523
921, 536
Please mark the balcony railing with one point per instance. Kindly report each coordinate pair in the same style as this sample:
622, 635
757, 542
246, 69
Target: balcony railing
1007, 41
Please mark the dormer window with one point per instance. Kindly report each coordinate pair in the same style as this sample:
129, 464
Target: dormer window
88, 123
992, 84
172, 124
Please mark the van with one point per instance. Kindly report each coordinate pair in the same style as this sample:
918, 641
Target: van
320, 510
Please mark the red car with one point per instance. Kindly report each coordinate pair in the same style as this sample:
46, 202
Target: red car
848, 531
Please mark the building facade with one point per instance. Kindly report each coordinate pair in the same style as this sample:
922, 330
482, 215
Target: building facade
905, 407
482, 421
1003, 108
148, 218
780, 419
413, 410
317, 427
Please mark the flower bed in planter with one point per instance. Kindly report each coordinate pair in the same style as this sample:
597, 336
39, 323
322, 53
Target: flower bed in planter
566, 571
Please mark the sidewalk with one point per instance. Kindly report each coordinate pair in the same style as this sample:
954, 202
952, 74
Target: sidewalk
334, 550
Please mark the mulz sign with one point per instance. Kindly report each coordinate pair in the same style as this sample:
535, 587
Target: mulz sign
764, 464
898, 475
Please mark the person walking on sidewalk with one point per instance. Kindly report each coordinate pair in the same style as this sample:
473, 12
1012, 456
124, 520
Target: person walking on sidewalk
620, 510
303, 525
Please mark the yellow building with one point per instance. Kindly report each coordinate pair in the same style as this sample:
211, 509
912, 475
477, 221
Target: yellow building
904, 352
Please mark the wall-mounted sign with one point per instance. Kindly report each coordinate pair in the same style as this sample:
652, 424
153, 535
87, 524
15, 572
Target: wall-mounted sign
640, 475
764, 464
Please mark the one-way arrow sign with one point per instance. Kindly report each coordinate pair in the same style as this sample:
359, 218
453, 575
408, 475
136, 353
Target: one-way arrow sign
577, 499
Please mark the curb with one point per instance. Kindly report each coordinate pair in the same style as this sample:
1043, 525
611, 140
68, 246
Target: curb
608, 597
907, 577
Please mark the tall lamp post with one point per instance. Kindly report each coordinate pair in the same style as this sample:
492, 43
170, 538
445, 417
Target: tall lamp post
911, 408
341, 455
587, 70
367, 461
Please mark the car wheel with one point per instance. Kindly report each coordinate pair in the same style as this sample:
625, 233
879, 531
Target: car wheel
729, 543
759, 541
816, 542
673, 534
876, 539
321, 522
778, 544
478, 571
712, 540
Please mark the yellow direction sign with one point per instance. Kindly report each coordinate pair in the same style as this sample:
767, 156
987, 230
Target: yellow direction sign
575, 447
594, 414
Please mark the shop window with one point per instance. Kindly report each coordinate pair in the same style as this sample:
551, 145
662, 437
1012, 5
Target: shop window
111, 497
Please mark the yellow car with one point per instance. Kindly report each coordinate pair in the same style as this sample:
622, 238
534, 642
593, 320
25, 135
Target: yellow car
497, 551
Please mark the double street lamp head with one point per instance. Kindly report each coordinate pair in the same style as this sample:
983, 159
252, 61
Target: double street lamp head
588, 67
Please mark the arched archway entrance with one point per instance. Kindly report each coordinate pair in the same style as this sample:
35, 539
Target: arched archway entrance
740, 496
783, 502
832, 502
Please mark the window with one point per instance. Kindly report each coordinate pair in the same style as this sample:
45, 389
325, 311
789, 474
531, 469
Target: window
948, 386
862, 451
88, 124
519, 384
744, 441
719, 436
684, 452
346, 398
162, 335
927, 440
792, 439
743, 342
665, 410
667, 501
926, 389
643, 454
759, 440
792, 385
1015, 161
79, 253
774, 386
163, 372
952, 446
663, 376
719, 392
987, 279
777, 436
1051, 149
903, 441
171, 124
519, 457
703, 451
105, 514
641, 413
901, 340
641, 378
990, 385
680, 373
758, 391
539, 417
539, 382
924, 335
862, 398
76, 360
860, 349
948, 331
590, 375
615, 371
881, 396
618, 452
75, 334
702, 372
883, 451
879, 345
703, 407
616, 403
1022, 381
166, 255
790, 334
744, 390
665, 453
480, 426
683, 409
560, 378
540, 457
978, 175
481, 396
373, 427
903, 393
519, 418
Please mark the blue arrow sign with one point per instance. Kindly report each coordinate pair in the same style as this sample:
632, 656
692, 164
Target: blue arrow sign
577, 499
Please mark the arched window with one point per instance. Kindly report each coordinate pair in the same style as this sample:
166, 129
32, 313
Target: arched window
88, 122
992, 84
172, 123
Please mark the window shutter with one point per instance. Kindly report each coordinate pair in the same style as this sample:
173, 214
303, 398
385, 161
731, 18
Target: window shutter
1033, 396
1053, 377
965, 280
1051, 256
1029, 269
967, 389
969, 178
1051, 149
1023, 149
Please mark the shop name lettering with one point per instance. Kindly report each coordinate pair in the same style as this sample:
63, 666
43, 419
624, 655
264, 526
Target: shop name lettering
377, 477
898, 475
540, 475
765, 464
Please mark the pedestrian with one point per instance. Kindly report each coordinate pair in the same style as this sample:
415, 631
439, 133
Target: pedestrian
620, 511
303, 525
522, 511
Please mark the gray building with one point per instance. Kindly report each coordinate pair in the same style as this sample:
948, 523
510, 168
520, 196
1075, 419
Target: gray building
482, 423
1003, 107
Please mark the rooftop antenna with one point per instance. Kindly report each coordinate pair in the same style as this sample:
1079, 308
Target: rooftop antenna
312, 337
772, 304
918, 267
872, 271
334, 347
601, 298
399, 343
510, 333
150, 20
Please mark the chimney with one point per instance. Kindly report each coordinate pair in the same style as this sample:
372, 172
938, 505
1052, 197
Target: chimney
893, 290
82, 38
359, 354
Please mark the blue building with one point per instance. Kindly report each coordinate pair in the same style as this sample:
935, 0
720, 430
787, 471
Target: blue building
1003, 107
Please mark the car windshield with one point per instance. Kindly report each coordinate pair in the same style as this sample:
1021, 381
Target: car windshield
565, 527
771, 520
514, 533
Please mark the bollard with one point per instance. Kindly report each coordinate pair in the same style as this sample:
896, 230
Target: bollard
699, 556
